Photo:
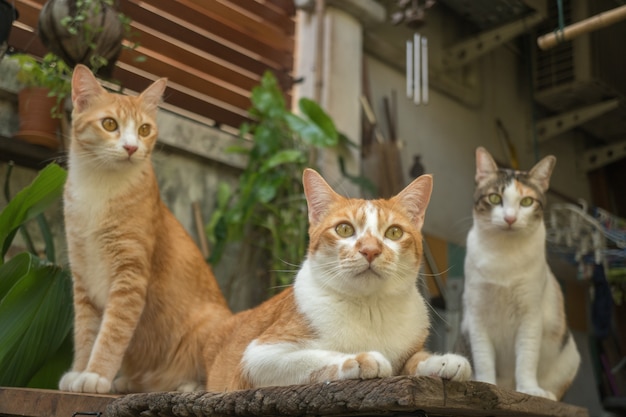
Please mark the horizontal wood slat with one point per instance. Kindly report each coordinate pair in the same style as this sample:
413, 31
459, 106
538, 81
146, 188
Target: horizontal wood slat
213, 52
270, 12
194, 39
202, 19
241, 20
178, 97
286, 5
28, 40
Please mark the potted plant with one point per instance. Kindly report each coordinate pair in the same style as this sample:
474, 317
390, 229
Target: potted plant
46, 84
88, 32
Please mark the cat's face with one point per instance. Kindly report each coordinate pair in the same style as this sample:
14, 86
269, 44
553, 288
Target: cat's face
113, 130
507, 200
361, 247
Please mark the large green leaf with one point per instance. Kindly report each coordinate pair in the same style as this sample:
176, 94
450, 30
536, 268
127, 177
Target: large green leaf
50, 373
267, 99
311, 133
11, 272
318, 116
286, 156
31, 201
35, 317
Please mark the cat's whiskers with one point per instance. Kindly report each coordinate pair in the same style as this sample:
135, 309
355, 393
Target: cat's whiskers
436, 313
438, 274
94, 159
276, 287
60, 159
287, 263
284, 270
104, 157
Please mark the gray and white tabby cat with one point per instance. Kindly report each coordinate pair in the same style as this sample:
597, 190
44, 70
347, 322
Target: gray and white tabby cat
513, 313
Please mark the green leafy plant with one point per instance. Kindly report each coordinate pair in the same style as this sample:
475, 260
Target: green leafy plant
51, 72
268, 206
35, 294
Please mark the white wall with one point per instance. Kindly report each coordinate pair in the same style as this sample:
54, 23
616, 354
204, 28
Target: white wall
446, 133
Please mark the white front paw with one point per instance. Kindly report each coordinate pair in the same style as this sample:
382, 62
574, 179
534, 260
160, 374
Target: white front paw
67, 380
365, 365
85, 382
447, 366
537, 392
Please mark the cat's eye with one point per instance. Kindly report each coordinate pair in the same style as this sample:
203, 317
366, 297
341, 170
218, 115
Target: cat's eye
144, 130
526, 201
394, 233
109, 124
344, 230
494, 198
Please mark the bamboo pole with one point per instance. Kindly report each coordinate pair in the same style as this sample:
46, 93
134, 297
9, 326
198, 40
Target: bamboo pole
590, 24
197, 216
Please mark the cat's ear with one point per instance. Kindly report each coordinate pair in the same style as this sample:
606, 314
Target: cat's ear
485, 165
85, 87
415, 197
318, 194
151, 96
542, 171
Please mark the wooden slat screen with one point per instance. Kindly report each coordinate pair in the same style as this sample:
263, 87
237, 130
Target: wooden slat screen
212, 51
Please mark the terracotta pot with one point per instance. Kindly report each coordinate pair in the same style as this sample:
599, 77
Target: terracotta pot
37, 126
74, 49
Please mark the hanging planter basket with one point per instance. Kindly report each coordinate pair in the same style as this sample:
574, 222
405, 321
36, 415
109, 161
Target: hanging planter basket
99, 36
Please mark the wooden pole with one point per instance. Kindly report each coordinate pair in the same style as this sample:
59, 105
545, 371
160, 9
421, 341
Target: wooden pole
590, 24
197, 216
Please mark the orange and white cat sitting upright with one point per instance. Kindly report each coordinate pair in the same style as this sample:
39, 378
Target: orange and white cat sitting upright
145, 300
354, 310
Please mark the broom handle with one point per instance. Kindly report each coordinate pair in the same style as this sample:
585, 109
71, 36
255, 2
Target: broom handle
592, 23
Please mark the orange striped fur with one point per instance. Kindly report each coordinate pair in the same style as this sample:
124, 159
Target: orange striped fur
145, 299
354, 310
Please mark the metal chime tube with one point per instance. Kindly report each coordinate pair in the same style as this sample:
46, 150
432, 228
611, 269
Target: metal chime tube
417, 69
424, 70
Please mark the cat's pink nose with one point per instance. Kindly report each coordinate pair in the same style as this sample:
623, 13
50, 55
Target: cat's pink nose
510, 219
370, 252
131, 149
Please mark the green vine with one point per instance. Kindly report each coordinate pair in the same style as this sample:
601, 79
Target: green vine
268, 206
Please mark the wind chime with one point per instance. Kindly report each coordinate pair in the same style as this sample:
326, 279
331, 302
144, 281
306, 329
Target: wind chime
413, 13
417, 69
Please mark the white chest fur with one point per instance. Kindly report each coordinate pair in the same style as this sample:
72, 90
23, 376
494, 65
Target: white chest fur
89, 206
389, 324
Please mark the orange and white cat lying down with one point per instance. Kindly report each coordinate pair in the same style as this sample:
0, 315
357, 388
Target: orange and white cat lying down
354, 310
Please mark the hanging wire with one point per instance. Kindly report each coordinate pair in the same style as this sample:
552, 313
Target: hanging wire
558, 32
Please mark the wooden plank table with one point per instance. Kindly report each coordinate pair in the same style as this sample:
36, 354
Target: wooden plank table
396, 396
48, 403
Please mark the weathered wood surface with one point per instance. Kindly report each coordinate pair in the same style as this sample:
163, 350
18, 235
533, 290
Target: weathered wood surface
48, 403
375, 397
